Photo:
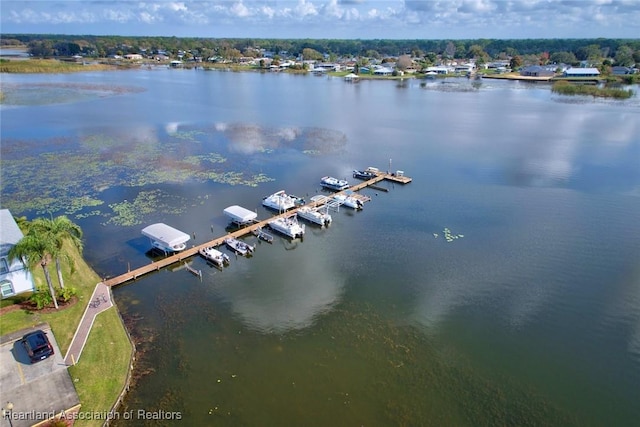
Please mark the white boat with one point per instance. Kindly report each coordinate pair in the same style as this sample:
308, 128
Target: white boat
334, 183
281, 201
314, 215
238, 246
215, 256
166, 238
288, 226
365, 174
348, 201
240, 215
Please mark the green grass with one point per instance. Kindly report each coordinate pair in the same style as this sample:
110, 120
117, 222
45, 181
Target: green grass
100, 375
566, 88
65, 321
33, 66
103, 366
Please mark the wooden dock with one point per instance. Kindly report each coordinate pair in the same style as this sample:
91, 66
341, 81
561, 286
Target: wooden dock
189, 252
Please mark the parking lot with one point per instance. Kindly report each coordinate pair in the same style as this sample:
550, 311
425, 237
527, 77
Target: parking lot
36, 390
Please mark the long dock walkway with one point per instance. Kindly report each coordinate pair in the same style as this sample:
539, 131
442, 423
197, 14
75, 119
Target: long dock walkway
188, 253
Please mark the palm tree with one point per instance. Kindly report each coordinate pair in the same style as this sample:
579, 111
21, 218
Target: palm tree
60, 229
34, 249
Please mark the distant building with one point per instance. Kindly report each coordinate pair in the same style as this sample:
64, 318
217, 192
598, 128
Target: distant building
383, 71
438, 70
582, 72
621, 71
15, 277
538, 71
465, 68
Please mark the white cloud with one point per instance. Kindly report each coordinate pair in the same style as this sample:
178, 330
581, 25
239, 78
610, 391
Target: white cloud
240, 10
178, 7
305, 18
267, 11
305, 8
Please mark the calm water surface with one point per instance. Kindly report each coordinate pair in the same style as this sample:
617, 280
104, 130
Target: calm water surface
532, 317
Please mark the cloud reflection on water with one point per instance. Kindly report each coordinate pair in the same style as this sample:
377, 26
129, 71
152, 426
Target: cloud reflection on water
289, 294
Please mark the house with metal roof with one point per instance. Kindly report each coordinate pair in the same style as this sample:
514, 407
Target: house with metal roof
581, 72
621, 71
382, 71
538, 71
15, 277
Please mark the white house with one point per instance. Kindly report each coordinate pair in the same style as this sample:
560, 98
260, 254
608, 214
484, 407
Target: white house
15, 277
383, 71
582, 72
438, 70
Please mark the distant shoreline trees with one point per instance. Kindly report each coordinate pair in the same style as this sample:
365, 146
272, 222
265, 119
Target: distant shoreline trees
623, 52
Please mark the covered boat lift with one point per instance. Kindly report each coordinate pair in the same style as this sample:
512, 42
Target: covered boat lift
240, 215
166, 238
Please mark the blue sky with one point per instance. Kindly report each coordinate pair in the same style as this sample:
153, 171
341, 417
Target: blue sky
348, 19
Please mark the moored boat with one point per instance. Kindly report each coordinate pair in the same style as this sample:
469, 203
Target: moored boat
365, 174
216, 257
314, 215
348, 201
288, 226
335, 184
281, 201
238, 246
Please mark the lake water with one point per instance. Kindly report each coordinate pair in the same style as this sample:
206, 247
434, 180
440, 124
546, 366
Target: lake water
530, 317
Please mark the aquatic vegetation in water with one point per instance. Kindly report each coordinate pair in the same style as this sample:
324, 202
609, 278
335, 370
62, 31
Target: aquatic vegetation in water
146, 202
58, 93
69, 174
79, 203
449, 237
187, 135
211, 158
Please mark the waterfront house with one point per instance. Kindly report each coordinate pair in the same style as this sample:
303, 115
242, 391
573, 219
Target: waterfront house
464, 68
15, 277
621, 71
538, 71
582, 72
383, 71
438, 70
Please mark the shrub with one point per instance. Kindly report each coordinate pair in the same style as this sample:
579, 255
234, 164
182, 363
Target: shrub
65, 294
41, 298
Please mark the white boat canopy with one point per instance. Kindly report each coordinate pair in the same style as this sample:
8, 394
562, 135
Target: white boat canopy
240, 215
168, 236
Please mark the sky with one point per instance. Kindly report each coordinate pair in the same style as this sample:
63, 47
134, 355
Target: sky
327, 19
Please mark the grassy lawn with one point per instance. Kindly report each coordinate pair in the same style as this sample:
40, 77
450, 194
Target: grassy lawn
100, 374
102, 370
65, 321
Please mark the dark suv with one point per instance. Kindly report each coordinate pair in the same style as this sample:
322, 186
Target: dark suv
37, 346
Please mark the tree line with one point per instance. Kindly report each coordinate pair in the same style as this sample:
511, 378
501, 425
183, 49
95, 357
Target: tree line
621, 51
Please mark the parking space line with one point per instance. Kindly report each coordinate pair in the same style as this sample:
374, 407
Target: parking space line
22, 380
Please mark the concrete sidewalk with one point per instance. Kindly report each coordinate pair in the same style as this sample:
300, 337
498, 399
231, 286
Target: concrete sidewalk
100, 301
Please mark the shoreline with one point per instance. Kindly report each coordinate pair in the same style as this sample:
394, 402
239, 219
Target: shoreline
96, 393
